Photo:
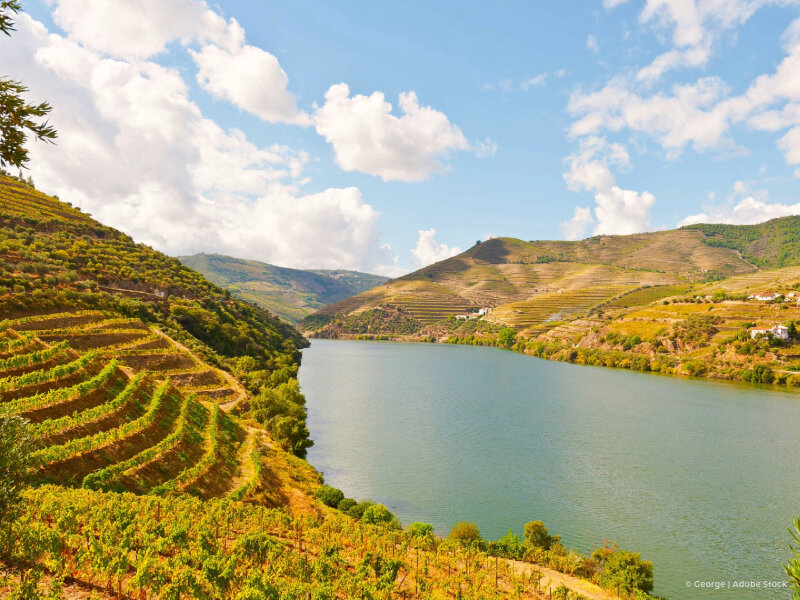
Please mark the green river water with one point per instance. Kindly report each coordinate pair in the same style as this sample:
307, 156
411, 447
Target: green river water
702, 478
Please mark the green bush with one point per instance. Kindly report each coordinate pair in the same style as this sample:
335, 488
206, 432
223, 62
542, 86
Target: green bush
346, 504
626, 572
420, 530
359, 509
466, 533
377, 514
537, 536
329, 496
506, 337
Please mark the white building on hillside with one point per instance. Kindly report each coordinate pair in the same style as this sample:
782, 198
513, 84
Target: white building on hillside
780, 332
764, 296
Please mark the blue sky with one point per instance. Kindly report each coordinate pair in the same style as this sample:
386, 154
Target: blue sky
533, 120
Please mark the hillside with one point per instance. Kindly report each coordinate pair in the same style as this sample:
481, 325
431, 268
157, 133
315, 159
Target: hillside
121, 356
292, 294
671, 301
165, 428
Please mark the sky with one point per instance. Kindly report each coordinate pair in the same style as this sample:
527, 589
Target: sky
384, 136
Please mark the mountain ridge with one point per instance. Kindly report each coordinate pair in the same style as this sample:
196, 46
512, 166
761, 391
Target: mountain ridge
289, 293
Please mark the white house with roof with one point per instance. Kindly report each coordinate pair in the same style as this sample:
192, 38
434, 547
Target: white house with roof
779, 332
764, 296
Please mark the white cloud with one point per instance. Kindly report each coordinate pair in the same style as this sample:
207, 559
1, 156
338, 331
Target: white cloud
429, 251
700, 115
616, 211
250, 78
485, 148
133, 29
592, 44
622, 212
745, 206
609, 4
138, 154
229, 69
367, 137
579, 224
589, 167
696, 25
687, 116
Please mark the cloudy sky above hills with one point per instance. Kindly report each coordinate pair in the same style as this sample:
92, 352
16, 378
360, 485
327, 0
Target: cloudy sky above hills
385, 136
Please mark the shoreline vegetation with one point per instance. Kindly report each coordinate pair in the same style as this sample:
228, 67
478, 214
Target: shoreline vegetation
703, 342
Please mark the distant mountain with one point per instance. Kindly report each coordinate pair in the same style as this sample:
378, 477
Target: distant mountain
531, 285
290, 293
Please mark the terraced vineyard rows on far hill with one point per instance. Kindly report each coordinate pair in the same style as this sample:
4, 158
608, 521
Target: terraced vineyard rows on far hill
556, 306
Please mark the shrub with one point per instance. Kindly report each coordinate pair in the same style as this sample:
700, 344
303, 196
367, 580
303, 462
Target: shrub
626, 572
508, 546
358, 510
420, 530
466, 533
346, 504
537, 536
506, 337
377, 514
329, 496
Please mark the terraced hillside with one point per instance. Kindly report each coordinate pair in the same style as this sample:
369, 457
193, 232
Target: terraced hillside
528, 284
673, 301
117, 405
292, 294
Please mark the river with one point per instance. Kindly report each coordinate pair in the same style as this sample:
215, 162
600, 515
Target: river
701, 477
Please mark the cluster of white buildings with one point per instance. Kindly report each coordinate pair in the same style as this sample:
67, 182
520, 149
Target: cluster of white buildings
779, 332
480, 313
772, 296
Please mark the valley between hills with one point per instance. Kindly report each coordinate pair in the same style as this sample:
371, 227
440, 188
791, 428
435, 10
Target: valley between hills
154, 433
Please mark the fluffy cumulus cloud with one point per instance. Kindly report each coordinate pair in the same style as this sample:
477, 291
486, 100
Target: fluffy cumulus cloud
429, 251
137, 153
228, 68
250, 78
132, 29
367, 137
616, 210
684, 116
700, 114
745, 206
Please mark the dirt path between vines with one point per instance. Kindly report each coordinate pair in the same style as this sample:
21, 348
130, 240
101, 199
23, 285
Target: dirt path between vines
552, 579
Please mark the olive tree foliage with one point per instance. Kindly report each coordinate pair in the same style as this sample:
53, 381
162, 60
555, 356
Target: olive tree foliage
18, 118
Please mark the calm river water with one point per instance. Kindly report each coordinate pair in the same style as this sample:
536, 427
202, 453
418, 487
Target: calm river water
702, 478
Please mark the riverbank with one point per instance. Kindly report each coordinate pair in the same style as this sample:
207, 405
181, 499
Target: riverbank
441, 434
709, 339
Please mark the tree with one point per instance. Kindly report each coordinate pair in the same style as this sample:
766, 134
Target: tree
626, 572
537, 536
506, 337
18, 117
15, 463
466, 533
